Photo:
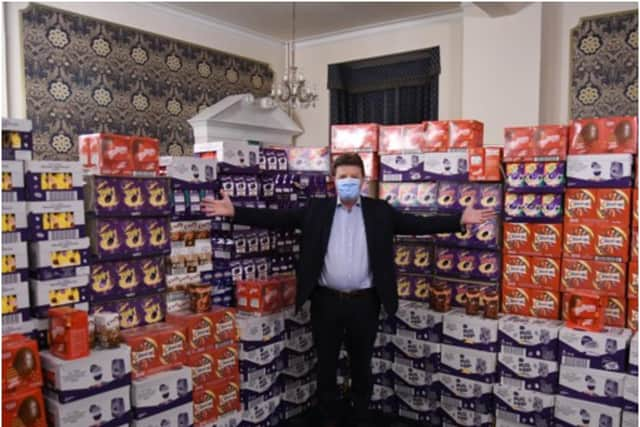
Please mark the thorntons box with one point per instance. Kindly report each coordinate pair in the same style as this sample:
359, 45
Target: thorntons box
594, 385
155, 348
179, 416
69, 380
571, 412
402, 167
451, 166
531, 272
524, 406
529, 336
607, 278
161, 391
528, 373
598, 204
541, 303
473, 395
232, 156
109, 408
596, 240
467, 331
600, 170
473, 364
605, 350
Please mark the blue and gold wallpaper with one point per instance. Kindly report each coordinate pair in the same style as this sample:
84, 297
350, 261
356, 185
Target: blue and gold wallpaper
604, 66
85, 75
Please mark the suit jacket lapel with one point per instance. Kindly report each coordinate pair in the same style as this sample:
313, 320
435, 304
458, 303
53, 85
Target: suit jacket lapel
327, 221
369, 223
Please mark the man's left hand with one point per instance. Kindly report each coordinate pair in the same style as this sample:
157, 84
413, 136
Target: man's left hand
477, 216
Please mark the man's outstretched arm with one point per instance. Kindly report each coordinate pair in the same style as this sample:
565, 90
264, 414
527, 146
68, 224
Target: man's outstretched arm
283, 219
405, 223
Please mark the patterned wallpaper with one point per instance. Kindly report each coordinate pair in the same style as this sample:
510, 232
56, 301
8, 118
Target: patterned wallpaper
85, 75
604, 66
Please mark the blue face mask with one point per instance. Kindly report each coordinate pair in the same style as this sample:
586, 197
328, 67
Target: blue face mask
348, 188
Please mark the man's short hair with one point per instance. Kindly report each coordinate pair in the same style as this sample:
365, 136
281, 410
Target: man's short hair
348, 159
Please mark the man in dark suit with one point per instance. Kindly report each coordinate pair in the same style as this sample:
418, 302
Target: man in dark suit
347, 269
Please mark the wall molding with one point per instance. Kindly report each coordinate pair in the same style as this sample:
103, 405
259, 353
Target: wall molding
214, 23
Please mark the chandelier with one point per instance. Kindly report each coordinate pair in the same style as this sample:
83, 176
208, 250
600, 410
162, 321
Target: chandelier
293, 92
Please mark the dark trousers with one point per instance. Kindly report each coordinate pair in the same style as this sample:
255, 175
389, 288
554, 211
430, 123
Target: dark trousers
352, 319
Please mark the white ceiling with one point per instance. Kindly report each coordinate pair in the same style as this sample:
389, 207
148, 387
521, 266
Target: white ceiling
313, 19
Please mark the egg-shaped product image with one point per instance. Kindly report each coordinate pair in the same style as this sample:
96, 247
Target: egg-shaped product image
551, 205
515, 175
485, 235
488, 265
466, 263
513, 205
554, 175
534, 174
489, 197
532, 205
468, 195
448, 196
445, 260
389, 193
408, 195
427, 194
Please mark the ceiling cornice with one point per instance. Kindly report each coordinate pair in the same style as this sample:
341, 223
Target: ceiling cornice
311, 40
213, 23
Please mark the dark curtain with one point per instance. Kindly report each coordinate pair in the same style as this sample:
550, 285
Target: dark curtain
394, 89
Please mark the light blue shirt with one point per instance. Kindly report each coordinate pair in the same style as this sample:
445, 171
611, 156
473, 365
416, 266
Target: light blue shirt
346, 263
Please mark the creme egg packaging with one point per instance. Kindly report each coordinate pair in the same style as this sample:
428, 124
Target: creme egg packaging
445, 166
528, 336
56, 259
468, 263
309, 159
191, 169
134, 312
570, 412
415, 288
630, 393
179, 416
604, 350
412, 258
532, 207
232, 156
475, 332
56, 220
527, 407
594, 385
633, 355
56, 293
548, 177
473, 395
14, 222
165, 389
70, 380
600, 170
473, 364
53, 180
13, 183
110, 407
402, 167
15, 303
481, 236
528, 373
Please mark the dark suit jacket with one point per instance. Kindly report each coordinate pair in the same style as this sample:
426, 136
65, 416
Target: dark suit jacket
381, 222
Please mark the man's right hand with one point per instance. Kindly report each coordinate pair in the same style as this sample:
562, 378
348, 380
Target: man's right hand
222, 207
